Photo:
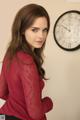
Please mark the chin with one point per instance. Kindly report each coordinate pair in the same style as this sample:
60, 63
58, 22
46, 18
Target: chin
38, 46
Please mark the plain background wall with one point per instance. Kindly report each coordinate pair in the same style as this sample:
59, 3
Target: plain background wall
62, 67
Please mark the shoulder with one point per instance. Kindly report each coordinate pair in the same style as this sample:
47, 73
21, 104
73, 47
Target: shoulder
25, 57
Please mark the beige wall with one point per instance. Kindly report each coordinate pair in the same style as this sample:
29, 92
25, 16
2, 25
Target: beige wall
62, 67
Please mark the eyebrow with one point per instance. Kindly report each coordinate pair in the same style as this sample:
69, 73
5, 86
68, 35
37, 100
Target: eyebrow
39, 28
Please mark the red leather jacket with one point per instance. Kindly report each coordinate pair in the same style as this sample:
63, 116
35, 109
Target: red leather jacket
21, 87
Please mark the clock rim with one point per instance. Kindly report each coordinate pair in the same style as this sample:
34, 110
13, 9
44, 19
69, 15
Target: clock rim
64, 48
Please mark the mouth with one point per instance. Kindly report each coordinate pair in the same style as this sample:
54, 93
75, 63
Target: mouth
38, 44
39, 41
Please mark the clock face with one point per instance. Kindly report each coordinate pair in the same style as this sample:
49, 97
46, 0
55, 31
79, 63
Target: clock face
67, 30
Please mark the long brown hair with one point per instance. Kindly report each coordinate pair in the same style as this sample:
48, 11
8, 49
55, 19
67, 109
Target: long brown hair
23, 20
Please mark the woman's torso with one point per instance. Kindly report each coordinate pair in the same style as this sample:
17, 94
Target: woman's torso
15, 104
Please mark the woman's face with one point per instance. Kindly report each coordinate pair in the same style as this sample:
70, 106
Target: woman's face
36, 34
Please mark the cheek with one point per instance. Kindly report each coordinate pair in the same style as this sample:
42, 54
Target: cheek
30, 38
27, 36
45, 36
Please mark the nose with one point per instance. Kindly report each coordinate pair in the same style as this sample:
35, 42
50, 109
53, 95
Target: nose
41, 35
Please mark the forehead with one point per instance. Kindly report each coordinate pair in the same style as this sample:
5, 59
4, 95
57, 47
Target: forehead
40, 22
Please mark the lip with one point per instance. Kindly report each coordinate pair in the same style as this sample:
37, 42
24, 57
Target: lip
39, 41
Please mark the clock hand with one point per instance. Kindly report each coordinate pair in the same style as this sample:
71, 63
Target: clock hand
66, 28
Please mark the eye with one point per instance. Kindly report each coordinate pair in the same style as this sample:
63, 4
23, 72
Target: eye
35, 30
45, 30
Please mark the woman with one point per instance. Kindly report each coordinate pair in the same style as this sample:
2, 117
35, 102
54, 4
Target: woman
22, 76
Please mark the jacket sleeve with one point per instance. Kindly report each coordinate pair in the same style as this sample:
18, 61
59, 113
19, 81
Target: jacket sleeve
31, 86
3, 85
29, 76
47, 104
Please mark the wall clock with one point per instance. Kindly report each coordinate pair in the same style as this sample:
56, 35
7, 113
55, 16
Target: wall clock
66, 30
